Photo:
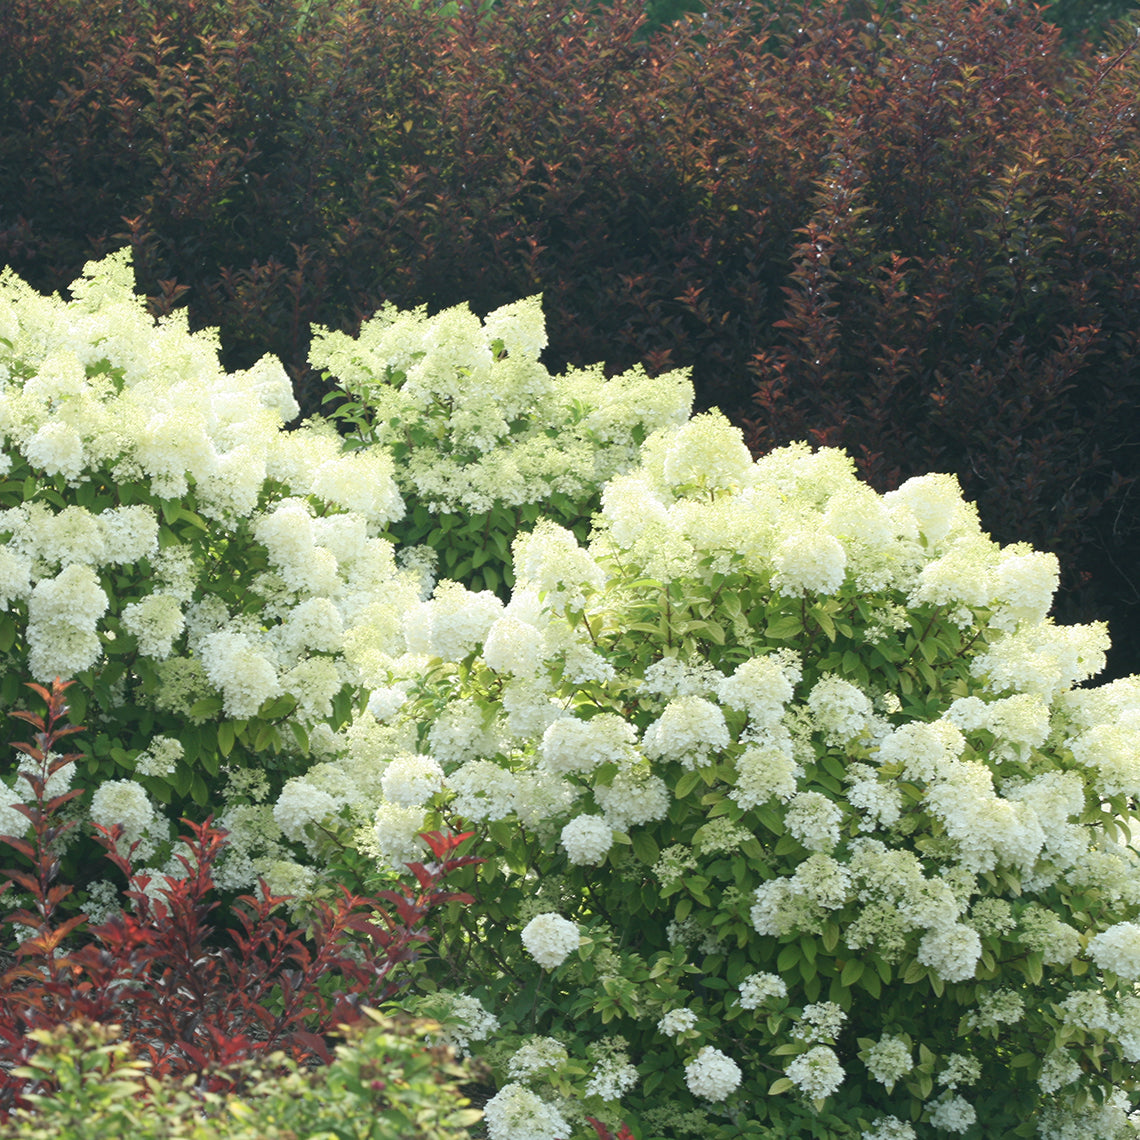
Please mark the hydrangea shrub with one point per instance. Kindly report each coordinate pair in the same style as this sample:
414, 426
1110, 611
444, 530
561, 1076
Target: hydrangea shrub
225, 593
799, 816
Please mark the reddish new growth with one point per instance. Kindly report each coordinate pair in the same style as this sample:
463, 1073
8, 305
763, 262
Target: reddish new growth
189, 997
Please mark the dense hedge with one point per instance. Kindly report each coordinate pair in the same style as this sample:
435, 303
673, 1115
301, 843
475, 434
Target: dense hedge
910, 234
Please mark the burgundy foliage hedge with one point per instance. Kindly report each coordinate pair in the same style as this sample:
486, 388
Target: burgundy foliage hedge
913, 235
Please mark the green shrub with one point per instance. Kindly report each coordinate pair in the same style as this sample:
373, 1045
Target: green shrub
386, 1082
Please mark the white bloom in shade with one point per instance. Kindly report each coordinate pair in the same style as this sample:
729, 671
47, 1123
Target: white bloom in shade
397, 829
587, 838
516, 1113
952, 1114
12, 822
635, 796
841, 709
820, 1021
888, 1060
612, 1075
814, 820
951, 951
550, 939
300, 804
473, 1023
1058, 1070
411, 780
535, 1055
758, 988
1118, 949
125, 802
676, 1021
156, 621
816, 1073
889, 1128
687, 731
712, 1074
809, 561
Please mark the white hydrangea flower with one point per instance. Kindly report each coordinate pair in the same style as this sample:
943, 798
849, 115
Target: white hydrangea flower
514, 647
816, 1073
12, 822
889, 1128
1058, 1070
814, 820
762, 687
612, 1075
586, 839
397, 829
935, 504
765, 772
960, 1070
483, 790
674, 1022
571, 745
245, 675
160, 758
1118, 949
809, 561
472, 1023
820, 1021
951, 951
687, 732
516, 1113
520, 325
840, 709
712, 1074
706, 454
880, 803
411, 781
550, 939
63, 613
155, 621
123, 802
456, 620
634, 796
951, 1113
549, 560
888, 1060
299, 804
536, 1054
384, 703
56, 449
756, 989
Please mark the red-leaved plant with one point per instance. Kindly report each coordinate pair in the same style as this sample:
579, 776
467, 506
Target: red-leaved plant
189, 997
